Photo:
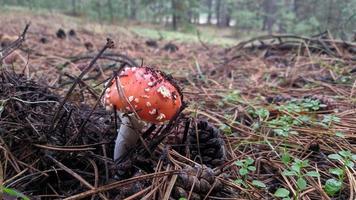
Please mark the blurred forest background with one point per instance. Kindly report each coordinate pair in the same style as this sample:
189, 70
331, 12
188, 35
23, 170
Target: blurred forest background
307, 17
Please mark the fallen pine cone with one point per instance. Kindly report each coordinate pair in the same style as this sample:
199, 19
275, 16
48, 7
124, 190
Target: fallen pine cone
206, 144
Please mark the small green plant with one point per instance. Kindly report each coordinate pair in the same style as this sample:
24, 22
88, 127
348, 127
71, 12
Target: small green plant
261, 113
231, 97
258, 183
305, 105
346, 157
332, 185
246, 166
328, 120
282, 193
13, 193
312, 104
282, 126
296, 170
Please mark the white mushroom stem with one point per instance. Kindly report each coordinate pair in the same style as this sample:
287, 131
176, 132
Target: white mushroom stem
127, 135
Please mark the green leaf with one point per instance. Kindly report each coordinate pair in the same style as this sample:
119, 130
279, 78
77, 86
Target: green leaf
258, 183
353, 157
313, 174
281, 132
332, 186
249, 161
243, 171
335, 156
281, 192
305, 163
336, 171
295, 167
262, 113
251, 168
286, 158
238, 181
301, 183
182, 198
340, 134
349, 163
239, 163
345, 154
289, 173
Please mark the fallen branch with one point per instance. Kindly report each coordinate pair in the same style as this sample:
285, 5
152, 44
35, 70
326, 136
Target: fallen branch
14, 45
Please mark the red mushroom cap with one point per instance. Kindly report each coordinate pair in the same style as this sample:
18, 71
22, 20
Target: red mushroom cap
146, 92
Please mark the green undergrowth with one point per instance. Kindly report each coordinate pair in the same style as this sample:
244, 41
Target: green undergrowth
283, 120
207, 36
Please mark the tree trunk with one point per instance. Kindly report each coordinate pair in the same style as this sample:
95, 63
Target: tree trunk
177, 12
330, 13
223, 15
98, 10
217, 12
74, 7
111, 11
133, 9
174, 15
210, 10
270, 9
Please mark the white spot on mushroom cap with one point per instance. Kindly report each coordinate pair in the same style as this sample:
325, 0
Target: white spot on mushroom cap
145, 96
148, 104
161, 116
137, 100
150, 84
131, 98
147, 89
146, 76
164, 91
153, 111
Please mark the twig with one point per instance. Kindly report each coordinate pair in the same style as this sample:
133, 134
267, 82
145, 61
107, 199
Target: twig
14, 45
122, 183
201, 41
109, 44
75, 175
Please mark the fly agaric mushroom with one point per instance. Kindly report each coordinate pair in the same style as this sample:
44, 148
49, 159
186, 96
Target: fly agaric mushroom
140, 94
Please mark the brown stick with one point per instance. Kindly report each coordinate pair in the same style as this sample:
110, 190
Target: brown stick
109, 44
14, 45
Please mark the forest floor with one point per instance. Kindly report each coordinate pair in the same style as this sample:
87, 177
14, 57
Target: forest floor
267, 118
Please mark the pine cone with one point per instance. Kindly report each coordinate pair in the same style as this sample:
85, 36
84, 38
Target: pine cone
203, 180
206, 145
